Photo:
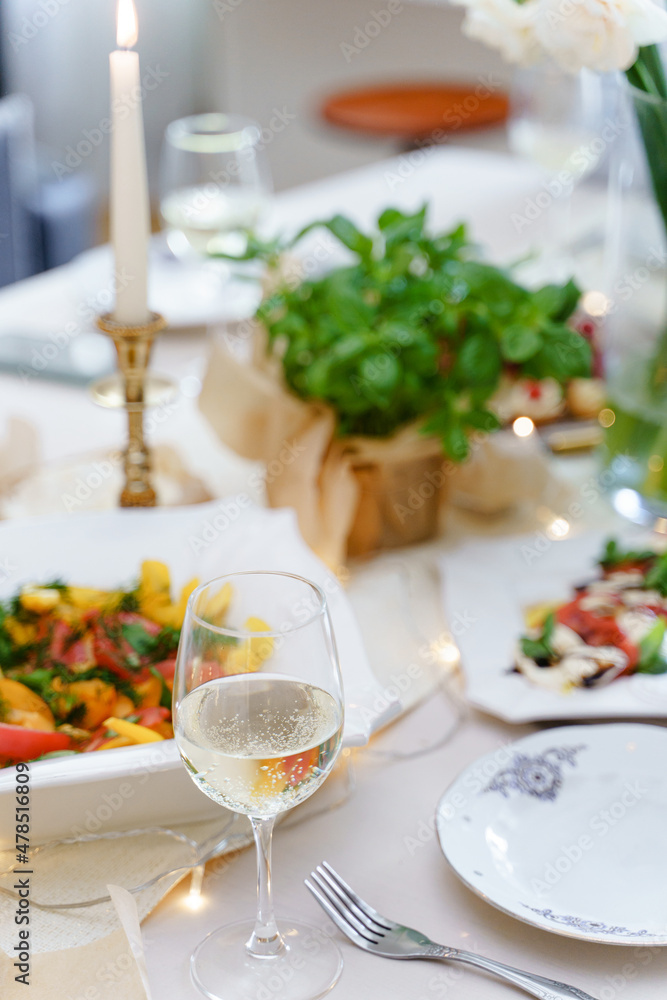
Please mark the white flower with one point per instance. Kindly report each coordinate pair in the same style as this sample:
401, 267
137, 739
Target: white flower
602, 35
505, 25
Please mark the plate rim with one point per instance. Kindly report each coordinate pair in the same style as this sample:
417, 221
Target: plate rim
652, 941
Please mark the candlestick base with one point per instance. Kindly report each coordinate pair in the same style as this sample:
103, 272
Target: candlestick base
145, 498
133, 346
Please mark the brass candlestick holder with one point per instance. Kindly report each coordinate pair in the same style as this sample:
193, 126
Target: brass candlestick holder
133, 345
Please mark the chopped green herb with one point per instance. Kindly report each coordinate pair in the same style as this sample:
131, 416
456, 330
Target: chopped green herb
651, 653
614, 555
540, 648
656, 577
165, 693
139, 639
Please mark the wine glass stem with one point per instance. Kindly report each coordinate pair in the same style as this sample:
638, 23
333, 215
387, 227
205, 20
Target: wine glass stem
265, 939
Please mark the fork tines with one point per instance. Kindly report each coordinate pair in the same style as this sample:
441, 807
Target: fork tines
355, 918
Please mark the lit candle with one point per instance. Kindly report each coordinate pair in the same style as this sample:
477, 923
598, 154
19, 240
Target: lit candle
129, 204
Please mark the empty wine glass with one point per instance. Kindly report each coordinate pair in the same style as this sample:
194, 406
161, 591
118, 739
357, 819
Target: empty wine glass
258, 718
557, 121
215, 183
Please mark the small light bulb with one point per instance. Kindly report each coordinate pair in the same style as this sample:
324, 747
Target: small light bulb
595, 303
446, 651
558, 528
523, 427
194, 899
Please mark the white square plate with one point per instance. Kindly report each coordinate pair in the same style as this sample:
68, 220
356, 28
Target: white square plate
488, 584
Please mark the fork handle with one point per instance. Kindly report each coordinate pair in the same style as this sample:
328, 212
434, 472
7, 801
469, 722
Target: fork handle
537, 986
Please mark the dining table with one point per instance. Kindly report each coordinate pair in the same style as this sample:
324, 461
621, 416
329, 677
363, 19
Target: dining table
376, 825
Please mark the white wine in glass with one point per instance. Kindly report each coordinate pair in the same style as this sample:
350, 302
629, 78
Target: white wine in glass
214, 182
258, 718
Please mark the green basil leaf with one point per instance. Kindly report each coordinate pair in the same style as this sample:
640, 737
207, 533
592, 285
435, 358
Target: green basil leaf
456, 442
557, 302
479, 360
651, 643
138, 638
656, 578
398, 227
518, 343
540, 648
565, 354
348, 234
483, 420
535, 649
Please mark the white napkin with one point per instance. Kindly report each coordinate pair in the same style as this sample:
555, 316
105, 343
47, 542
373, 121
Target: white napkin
126, 908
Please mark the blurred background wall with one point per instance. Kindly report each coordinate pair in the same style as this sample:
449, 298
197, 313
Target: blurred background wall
250, 56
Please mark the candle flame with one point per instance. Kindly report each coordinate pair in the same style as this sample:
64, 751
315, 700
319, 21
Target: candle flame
127, 30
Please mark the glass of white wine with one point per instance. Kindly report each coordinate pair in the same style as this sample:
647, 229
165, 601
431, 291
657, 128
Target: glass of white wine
258, 719
214, 184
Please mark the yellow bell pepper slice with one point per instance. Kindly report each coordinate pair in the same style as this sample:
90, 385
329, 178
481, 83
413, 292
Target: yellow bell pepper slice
155, 595
251, 653
85, 598
182, 604
115, 741
536, 615
154, 578
132, 731
215, 609
39, 599
23, 634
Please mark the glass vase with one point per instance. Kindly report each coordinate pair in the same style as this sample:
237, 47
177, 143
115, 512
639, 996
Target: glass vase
635, 419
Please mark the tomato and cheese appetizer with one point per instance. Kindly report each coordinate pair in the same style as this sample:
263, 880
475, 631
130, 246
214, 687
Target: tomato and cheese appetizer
613, 626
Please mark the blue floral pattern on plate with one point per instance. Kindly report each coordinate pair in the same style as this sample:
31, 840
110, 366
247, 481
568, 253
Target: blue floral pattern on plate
586, 926
540, 776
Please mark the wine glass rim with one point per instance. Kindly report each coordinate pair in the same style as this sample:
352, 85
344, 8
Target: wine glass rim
249, 633
213, 132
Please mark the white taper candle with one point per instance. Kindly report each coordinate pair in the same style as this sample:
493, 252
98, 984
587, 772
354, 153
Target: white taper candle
129, 201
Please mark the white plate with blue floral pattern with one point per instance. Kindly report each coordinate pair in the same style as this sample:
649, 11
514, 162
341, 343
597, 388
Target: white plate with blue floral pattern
566, 830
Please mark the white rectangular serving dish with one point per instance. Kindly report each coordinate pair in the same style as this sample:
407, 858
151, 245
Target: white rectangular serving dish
147, 785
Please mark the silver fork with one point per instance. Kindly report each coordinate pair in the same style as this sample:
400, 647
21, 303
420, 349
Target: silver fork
368, 929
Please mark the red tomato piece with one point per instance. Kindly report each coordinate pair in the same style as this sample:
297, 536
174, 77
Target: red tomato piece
62, 637
20, 744
112, 652
167, 668
298, 766
132, 618
598, 630
152, 716
81, 653
98, 737
112, 649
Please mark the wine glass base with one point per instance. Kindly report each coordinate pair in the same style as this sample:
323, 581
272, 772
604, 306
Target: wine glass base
309, 967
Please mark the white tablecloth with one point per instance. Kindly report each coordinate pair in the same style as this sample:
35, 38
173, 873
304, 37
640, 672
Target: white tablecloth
382, 838
382, 843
